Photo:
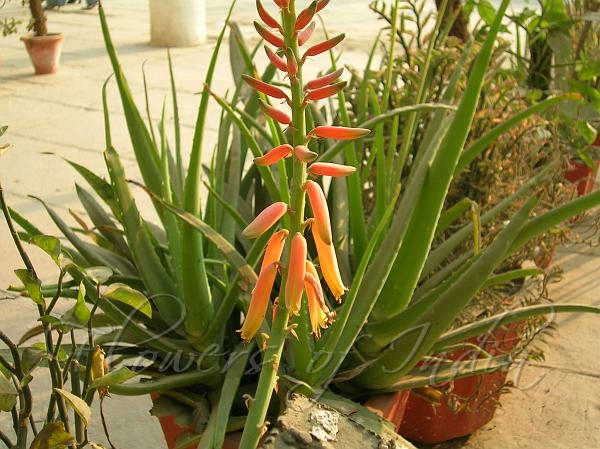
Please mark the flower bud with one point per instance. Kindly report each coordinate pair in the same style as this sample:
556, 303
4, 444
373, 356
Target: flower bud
292, 65
322, 4
275, 59
275, 113
274, 156
265, 88
269, 36
324, 46
265, 16
259, 302
306, 33
265, 220
325, 92
318, 203
338, 132
282, 3
306, 16
99, 369
324, 80
303, 154
294, 286
330, 169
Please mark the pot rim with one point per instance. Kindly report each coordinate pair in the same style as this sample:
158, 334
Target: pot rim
49, 37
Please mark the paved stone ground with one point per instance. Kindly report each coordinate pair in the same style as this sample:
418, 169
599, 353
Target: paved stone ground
556, 404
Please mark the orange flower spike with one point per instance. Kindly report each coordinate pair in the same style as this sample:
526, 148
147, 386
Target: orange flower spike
325, 92
268, 35
317, 311
324, 46
330, 169
339, 132
324, 80
306, 33
265, 88
303, 154
265, 220
275, 59
318, 203
322, 4
274, 248
274, 156
266, 17
282, 3
329, 266
275, 113
259, 303
296, 273
306, 16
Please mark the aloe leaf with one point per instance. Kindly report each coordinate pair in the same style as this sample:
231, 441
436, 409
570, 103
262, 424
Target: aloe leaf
512, 275
404, 277
27, 226
494, 322
420, 336
170, 382
178, 180
102, 221
141, 140
235, 371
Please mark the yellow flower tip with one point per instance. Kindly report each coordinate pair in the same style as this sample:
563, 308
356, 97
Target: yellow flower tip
274, 247
259, 302
329, 265
265, 220
296, 273
318, 203
319, 314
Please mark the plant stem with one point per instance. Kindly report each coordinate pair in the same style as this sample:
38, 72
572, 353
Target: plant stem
39, 17
255, 423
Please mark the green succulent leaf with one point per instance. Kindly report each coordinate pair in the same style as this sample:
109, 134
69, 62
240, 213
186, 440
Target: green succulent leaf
127, 295
32, 284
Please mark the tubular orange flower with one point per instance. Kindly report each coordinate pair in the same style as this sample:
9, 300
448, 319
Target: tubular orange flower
306, 16
275, 59
325, 92
265, 16
324, 46
303, 154
322, 4
338, 132
274, 248
324, 80
265, 220
296, 272
274, 156
320, 316
330, 169
306, 33
259, 302
275, 113
269, 36
329, 266
282, 3
318, 203
265, 88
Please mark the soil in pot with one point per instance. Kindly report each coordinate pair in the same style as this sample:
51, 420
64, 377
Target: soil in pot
44, 52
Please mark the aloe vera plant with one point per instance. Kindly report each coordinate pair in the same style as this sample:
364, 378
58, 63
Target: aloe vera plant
212, 271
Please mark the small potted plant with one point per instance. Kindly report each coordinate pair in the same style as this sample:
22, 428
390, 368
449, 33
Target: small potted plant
44, 48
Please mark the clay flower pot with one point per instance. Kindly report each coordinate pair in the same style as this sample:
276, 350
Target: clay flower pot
427, 423
580, 174
44, 52
390, 406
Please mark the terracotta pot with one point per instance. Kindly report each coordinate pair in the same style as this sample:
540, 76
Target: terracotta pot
172, 431
582, 176
427, 423
390, 406
44, 52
